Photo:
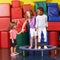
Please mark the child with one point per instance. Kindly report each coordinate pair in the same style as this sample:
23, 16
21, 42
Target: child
41, 24
30, 19
13, 34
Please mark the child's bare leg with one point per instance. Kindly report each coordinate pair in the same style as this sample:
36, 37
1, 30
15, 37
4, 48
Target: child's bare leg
12, 50
31, 41
36, 42
15, 49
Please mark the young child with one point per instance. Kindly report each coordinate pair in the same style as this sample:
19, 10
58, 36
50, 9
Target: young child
31, 20
13, 34
41, 24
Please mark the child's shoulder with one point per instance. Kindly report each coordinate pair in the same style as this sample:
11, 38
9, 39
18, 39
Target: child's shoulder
45, 15
34, 16
10, 31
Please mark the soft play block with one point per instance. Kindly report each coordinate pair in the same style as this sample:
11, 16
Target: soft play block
42, 4
54, 19
53, 38
27, 7
52, 4
53, 26
20, 23
4, 24
53, 11
15, 4
5, 40
16, 13
4, 10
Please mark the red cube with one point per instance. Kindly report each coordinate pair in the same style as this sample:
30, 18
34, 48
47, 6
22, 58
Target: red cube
53, 26
4, 10
27, 7
16, 13
4, 24
5, 40
20, 24
15, 4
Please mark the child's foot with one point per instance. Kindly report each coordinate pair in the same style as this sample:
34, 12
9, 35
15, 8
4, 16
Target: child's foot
30, 47
12, 54
16, 53
35, 47
45, 47
39, 47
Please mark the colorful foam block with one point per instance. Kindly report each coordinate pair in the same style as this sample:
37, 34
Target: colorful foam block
53, 11
27, 7
54, 19
20, 22
53, 38
5, 40
4, 24
53, 26
42, 4
15, 4
4, 10
16, 13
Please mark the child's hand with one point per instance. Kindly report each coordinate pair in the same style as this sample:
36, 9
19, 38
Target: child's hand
21, 31
36, 29
12, 41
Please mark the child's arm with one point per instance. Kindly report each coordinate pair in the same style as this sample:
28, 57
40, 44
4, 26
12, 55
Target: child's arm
23, 27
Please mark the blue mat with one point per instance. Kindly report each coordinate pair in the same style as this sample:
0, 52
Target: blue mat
53, 19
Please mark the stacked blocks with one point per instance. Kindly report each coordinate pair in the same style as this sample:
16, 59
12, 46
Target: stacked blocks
16, 10
53, 24
4, 24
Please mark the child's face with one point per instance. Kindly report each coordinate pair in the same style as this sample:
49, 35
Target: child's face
39, 12
14, 27
28, 14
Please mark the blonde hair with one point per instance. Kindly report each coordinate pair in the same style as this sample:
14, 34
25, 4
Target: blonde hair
31, 13
12, 24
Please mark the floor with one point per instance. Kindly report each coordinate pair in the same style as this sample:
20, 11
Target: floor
5, 55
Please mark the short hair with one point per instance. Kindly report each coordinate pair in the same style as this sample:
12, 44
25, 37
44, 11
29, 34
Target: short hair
41, 9
11, 25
